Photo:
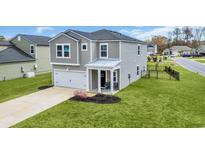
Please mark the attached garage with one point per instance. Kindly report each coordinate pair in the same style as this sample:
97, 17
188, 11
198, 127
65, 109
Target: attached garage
71, 79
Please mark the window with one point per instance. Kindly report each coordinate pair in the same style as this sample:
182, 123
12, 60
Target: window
59, 51
84, 47
32, 50
115, 79
66, 51
138, 50
103, 50
63, 51
138, 70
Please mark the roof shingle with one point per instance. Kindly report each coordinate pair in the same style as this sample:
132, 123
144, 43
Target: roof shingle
13, 54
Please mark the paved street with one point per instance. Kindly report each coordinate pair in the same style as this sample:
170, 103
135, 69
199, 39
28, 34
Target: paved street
191, 65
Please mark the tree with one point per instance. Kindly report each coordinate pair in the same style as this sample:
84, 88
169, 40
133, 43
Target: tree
176, 34
2, 38
187, 31
198, 34
161, 42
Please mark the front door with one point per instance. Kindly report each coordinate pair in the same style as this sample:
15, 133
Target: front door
103, 75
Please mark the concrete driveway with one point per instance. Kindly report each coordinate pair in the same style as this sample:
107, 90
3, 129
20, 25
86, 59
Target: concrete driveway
191, 65
19, 109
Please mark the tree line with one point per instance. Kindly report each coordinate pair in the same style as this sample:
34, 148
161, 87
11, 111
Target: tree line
190, 36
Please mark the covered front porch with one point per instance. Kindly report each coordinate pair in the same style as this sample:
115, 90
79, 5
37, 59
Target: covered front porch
103, 76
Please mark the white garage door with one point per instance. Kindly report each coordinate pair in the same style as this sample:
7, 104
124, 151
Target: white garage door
70, 79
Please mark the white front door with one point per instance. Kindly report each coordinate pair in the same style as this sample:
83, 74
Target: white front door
72, 79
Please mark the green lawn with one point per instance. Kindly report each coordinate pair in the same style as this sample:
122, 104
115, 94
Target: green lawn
145, 103
199, 59
18, 87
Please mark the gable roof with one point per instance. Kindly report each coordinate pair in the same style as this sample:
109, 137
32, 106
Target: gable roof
102, 34
36, 39
14, 54
180, 48
5, 43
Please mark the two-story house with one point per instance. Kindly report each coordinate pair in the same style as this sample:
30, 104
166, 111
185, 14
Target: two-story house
100, 61
23, 54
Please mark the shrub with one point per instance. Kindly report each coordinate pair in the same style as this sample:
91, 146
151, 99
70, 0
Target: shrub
148, 58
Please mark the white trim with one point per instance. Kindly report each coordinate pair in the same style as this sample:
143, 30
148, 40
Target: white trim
62, 45
82, 44
34, 49
67, 64
106, 77
77, 53
63, 70
60, 34
116, 73
99, 80
87, 79
120, 48
91, 52
80, 35
100, 50
111, 81
91, 79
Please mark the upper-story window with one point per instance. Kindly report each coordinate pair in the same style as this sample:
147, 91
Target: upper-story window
103, 50
32, 49
63, 51
138, 50
84, 47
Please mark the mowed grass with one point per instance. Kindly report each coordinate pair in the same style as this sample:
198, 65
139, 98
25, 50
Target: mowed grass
145, 103
199, 59
22, 86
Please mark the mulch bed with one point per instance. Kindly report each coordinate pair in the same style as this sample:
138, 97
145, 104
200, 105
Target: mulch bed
98, 98
44, 87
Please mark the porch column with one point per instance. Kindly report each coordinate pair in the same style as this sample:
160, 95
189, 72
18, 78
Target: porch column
99, 80
87, 79
111, 81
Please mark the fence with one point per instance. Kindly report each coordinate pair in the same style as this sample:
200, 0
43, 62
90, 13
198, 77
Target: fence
162, 73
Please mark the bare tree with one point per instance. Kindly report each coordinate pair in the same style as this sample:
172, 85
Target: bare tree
187, 31
198, 33
176, 33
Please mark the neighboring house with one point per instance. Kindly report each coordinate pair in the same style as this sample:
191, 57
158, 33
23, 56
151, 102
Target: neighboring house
151, 49
23, 54
201, 50
101, 61
178, 50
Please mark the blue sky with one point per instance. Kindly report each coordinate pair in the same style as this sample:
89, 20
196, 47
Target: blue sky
140, 32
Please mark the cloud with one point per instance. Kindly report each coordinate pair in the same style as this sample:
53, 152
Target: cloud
145, 35
41, 29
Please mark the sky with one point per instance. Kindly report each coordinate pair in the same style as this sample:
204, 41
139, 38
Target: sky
139, 32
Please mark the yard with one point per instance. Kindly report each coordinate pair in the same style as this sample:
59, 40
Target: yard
199, 59
145, 103
18, 87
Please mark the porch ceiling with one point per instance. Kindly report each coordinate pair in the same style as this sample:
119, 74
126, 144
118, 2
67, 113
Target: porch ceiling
103, 63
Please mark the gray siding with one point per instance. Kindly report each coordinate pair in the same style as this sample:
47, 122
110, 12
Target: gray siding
43, 59
13, 70
113, 49
24, 45
130, 60
84, 56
